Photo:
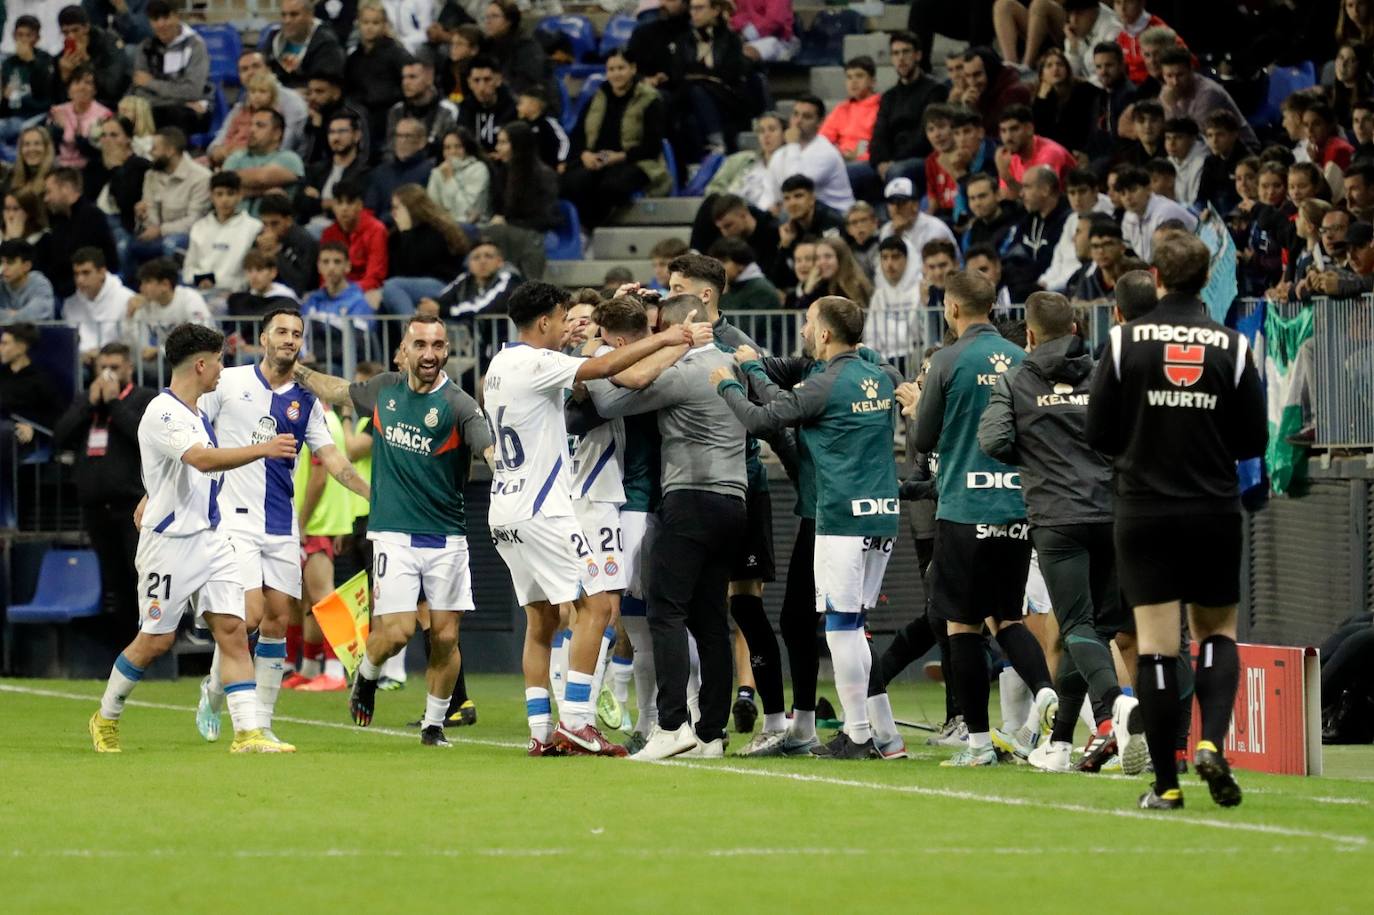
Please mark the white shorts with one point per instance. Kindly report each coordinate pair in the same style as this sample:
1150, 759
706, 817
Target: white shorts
176, 572
849, 572
1037, 595
548, 558
634, 529
603, 530
271, 560
400, 570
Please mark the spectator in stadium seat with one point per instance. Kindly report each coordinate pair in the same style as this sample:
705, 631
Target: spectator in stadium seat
461, 183
25, 294
1147, 118
337, 308
218, 242
1071, 253
731, 216
1135, 20
1351, 82
938, 260
1145, 210
451, 70
748, 288
835, 272
265, 291
1063, 105
1087, 24
617, 146
745, 173
264, 167
101, 430
1191, 95
303, 45
176, 193
372, 73
810, 154
1107, 250
652, 42
707, 82
288, 101
1187, 154
295, 250
1357, 277
524, 200
849, 125
806, 218
1116, 95
1359, 191
899, 139
1031, 250
1325, 145
522, 61
1023, 149
994, 219
987, 263
803, 260
98, 304
409, 164
325, 98
532, 107
422, 250
662, 255
117, 180
947, 163
172, 70
991, 87
766, 27
96, 48
861, 231
76, 224
26, 219
488, 105
126, 18
30, 81
422, 102
1217, 186
363, 236
483, 288
26, 390
74, 121
906, 219
160, 305
896, 289
346, 160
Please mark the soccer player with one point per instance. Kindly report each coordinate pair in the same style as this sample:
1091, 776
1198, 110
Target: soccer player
844, 415
181, 553
704, 277
253, 403
982, 545
424, 433
531, 514
1176, 401
1034, 421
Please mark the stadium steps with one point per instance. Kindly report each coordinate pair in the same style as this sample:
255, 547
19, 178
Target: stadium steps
875, 46
828, 82
892, 17
659, 211
572, 274
633, 242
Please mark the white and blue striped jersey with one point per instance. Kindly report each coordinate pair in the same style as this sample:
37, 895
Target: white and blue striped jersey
524, 406
182, 501
259, 498
598, 470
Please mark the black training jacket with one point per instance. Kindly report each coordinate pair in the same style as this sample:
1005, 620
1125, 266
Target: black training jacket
1177, 401
1034, 421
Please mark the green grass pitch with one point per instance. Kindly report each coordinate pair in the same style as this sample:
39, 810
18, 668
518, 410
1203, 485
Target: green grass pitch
367, 821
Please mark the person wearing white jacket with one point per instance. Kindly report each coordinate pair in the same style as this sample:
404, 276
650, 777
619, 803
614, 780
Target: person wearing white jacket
410, 21
461, 185
100, 303
219, 241
1081, 189
896, 293
810, 154
159, 306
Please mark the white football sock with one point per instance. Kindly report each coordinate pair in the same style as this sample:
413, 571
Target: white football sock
215, 686
334, 667
851, 660
622, 671
1085, 714
242, 700
575, 710
646, 677
558, 664
394, 667
268, 666
436, 707
124, 676
603, 657
777, 721
538, 711
693, 680
367, 670
1015, 698
803, 724
880, 713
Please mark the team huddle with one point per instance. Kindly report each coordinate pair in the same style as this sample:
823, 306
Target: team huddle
629, 503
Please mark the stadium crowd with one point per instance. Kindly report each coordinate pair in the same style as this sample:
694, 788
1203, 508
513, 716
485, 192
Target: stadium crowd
398, 158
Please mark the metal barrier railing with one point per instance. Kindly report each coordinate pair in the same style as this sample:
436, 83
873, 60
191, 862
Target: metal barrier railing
1343, 376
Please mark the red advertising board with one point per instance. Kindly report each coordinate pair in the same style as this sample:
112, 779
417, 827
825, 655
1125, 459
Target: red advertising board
1276, 723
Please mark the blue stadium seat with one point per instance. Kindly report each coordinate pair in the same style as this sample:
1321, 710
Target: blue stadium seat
68, 589
219, 110
579, 30
617, 33
822, 45
709, 166
572, 112
670, 159
1283, 82
224, 45
565, 243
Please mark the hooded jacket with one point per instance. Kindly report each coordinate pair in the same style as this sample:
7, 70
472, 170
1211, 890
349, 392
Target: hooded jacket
890, 329
1035, 421
180, 70
322, 54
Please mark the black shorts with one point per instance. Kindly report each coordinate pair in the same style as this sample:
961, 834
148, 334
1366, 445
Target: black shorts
755, 559
1190, 558
979, 571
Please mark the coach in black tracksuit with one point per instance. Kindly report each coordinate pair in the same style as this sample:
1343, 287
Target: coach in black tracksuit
1177, 401
1034, 420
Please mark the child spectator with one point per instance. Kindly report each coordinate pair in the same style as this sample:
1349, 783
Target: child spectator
219, 241
664, 251
483, 288
336, 308
551, 140
29, 82
25, 294
748, 288
896, 290
363, 237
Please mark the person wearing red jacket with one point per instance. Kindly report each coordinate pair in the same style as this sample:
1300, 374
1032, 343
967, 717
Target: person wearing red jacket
766, 27
365, 237
849, 125
1135, 21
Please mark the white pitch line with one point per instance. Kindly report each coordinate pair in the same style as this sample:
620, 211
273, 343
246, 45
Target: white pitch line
919, 790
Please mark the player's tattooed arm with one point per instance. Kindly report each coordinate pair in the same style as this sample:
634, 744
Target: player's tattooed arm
328, 388
336, 462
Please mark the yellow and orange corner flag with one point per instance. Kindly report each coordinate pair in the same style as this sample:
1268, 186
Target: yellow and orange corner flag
343, 618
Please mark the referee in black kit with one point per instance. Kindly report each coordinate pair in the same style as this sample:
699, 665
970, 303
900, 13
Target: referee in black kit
1177, 401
